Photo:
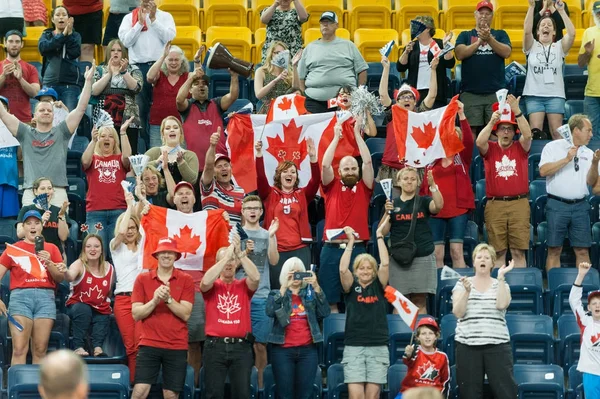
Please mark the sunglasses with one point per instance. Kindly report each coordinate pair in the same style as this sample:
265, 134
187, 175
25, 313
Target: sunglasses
576, 162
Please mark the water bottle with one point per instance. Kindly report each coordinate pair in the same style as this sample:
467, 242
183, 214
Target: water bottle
309, 289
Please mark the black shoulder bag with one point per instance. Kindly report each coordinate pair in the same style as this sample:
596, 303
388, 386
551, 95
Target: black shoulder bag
404, 251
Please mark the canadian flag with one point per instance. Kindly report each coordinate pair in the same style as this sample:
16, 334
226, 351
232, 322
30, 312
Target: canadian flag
285, 140
434, 48
407, 310
27, 261
426, 136
286, 107
198, 235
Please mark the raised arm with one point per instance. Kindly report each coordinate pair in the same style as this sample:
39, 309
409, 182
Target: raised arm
327, 173
384, 271
315, 172
125, 144
182, 95
267, 14
460, 297
74, 272
262, 183
588, 48
503, 296
75, 116
368, 174
384, 96
528, 27
234, 91
569, 37
482, 141
433, 84
123, 226
208, 173
577, 291
437, 203
10, 121
526, 135
301, 11
345, 274
88, 154
592, 175
154, 72
214, 272
273, 253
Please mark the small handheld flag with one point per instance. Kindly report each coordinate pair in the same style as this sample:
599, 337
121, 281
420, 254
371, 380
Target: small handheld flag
387, 49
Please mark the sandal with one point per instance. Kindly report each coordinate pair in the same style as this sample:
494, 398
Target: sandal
81, 352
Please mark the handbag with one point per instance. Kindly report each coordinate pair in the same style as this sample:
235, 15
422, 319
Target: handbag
404, 251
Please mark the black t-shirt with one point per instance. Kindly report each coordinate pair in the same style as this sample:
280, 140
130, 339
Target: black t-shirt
401, 217
560, 24
50, 230
160, 199
366, 315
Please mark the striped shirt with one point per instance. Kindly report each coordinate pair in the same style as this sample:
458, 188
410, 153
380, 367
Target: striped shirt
482, 323
215, 196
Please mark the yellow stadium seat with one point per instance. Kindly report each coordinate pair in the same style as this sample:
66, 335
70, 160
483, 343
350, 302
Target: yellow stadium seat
516, 40
259, 40
509, 14
256, 7
405, 10
369, 41
106, 11
238, 40
369, 14
30, 52
184, 12
457, 14
313, 34
439, 34
189, 38
225, 13
317, 7
573, 54
100, 51
575, 12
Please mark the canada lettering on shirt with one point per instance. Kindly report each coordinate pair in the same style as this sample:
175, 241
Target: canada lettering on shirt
42, 144
369, 299
484, 48
400, 216
107, 170
545, 63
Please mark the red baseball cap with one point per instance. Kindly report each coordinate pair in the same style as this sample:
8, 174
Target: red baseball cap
183, 184
485, 4
222, 156
593, 294
167, 244
428, 321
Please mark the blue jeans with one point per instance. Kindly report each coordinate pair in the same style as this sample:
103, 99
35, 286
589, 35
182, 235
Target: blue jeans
108, 220
144, 100
227, 359
294, 370
68, 94
591, 107
83, 316
154, 137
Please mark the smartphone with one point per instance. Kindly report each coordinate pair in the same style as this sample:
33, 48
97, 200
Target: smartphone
302, 275
241, 232
39, 243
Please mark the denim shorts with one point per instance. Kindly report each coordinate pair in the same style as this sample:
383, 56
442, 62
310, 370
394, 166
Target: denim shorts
456, 228
366, 364
32, 303
549, 105
573, 219
261, 323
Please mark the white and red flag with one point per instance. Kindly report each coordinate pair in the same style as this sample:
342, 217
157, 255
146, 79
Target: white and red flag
27, 261
407, 310
286, 107
426, 136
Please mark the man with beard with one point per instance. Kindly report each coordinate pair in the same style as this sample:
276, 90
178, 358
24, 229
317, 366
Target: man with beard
507, 186
19, 80
589, 56
346, 204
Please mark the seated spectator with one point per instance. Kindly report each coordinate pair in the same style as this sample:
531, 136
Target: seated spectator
544, 89
105, 168
9, 175
90, 273
328, 64
416, 61
297, 309
35, 12
217, 189
116, 85
366, 355
451, 174
11, 17
544, 8
88, 17
482, 338
167, 75
60, 110
417, 277
54, 223
271, 81
32, 293
284, 24
183, 164
117, 11
154, 187
44, 157
19, 80
61, 48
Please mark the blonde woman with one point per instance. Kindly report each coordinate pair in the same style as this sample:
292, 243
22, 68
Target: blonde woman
366, 354
90, 273
106, 166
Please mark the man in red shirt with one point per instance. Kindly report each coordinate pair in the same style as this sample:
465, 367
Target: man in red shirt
229, 339
162, 299
347, 201
19, 80
507, 185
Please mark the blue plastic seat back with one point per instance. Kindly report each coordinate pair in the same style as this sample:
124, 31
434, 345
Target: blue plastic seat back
539, 381
532, 338
569, 335
333, 338
396, 374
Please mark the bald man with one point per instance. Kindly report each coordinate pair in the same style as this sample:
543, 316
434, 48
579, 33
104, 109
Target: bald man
63, 375
347, 201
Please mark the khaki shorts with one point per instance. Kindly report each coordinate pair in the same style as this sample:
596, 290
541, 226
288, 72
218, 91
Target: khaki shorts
366, 364
507, 224
478, 107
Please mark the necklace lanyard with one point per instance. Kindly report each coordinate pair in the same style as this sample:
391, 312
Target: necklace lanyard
547, 55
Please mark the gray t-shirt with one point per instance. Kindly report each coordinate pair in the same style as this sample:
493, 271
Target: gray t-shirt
52, 72
44, 154
122, 6
327, 66
260, 259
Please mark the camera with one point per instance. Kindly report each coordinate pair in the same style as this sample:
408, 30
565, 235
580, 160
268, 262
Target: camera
39, 243
301, 275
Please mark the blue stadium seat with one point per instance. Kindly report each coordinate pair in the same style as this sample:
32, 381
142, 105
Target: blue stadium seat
375, 144
8, 228
376, 159
79, 143
595, 249
575, 383
534, 167
269, 391
569, 336
188, 388
537, 146
538, 198
335, 382
333, 338
220, 80
573, 107
253, 383
61, 330
23, 380
376, 208
5, 288
396, 374
62, 294
448, 327
526, 289
77, 208
400, 335
516, 85
532, 338
480, 201
560, 281
74, 168
573, 69
594, 201
108, 381
575, 86
374, 77
477, 169
539, 381
541, 247
444, 291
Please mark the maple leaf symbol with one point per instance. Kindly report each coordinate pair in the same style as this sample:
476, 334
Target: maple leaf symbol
228, 304
595, 339
285, 104
506, 168
84, 228
187, 242
291, 148
98, 226
404, 306
428, 371
424, 137
89, 293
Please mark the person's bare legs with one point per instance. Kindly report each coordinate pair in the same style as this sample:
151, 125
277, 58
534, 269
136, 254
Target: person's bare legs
581, 255
87, 52
553, 258
554, 122
500, 258
334, 308
439, 255
456, 252
419, 300
40, 335
536, 120
141, 391
518, 256
20, 339
260, 360
372, 391
356, 391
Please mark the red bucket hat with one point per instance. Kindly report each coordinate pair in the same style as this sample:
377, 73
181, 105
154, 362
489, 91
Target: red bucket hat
167, 245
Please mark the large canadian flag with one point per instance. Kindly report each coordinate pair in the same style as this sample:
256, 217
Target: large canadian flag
27, 261
199, 236
426, 136
285, 139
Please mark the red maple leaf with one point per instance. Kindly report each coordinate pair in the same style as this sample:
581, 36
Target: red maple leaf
424, 137
291, 148
404, 306
595, 338
187, 242
285, 104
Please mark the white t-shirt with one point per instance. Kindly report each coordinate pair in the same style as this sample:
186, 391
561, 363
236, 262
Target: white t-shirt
567, 183
126, 266
11, 9
589, 359
424, 69
545, 70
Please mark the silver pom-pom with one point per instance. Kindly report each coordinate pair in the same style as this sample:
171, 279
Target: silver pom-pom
362, 101
104, 120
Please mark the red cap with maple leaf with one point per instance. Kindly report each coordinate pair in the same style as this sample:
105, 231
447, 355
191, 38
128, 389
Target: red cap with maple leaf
429, 322
506, 115
405, 88
593, 295
222, 156
167, 244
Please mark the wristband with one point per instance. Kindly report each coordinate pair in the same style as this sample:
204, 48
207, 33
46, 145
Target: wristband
519, 115
380, 238
578, 285
123, 72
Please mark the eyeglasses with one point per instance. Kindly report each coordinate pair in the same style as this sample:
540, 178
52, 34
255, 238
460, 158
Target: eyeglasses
406, 97
252, 208
576, 162
506, 128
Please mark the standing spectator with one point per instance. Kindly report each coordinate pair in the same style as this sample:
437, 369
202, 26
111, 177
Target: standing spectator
347, 201
507, 183
419, 278
63, 375
35, 12
162, 300
145, 32
32, 294
154, 187
43, 156
9, 175
105, 168
19, 80
61, 47
451, 174
589, 360
229, 339
417, 60
88, 17
217, 189
166, 76
589, 56
328, 64
569, 169
482, 339
366, 355
297, 309
271, 81
117, 11
90, 273
287, 203
482, 51
115, 87
545, 8
544, 89
284, 24
11, 17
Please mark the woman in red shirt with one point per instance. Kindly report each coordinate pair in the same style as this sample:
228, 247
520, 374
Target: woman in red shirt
91, 279
288, 202
452, 177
